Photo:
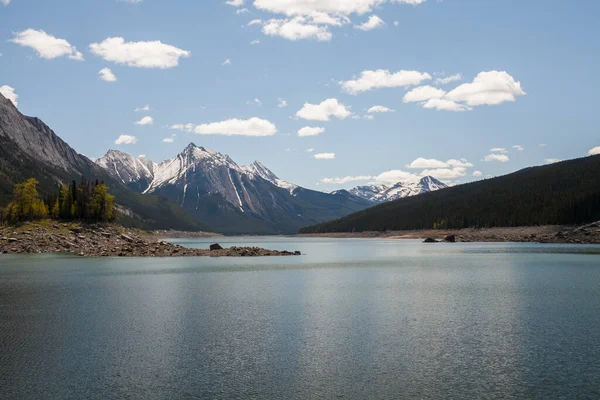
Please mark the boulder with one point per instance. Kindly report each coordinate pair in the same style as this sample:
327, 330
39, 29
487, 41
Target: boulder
216, 246
450, 239
430, 240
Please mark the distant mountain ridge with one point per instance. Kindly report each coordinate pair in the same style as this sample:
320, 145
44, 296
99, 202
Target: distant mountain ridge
407, 188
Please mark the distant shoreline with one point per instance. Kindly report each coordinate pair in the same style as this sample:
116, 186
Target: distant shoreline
586, 234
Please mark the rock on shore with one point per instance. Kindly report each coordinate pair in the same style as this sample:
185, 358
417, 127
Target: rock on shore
107, 241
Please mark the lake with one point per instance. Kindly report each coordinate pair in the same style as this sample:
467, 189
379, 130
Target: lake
350, 319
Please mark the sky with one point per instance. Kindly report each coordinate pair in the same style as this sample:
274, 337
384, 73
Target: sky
328, 94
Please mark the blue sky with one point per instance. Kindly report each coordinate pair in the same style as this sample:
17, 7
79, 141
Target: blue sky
525, 73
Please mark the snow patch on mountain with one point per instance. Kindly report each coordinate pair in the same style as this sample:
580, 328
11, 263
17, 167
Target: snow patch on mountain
385, 193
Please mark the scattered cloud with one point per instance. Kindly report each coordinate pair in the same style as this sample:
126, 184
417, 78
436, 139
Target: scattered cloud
369, 117
344, 180
379, 109
323, 8
232, 127
518, 147
9, 93
296, 29
552, 160
324, 156
235, 3
382, 78
46, 45
395, 176
226, 62
373, 23
488, 88
281, 103
500, 150
503, 158
310, 131
424, 163
5, 2
423, 93
310, 150
145, 121
126, 139
477, 173
396, 23
107, 75
241, 11
543, 145
255, 101
170, 139
448, 79
153, 54
322, 112
145, 108
255, 22
255, 41
595, 151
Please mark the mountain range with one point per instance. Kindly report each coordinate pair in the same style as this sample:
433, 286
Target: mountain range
197, 189
237, 198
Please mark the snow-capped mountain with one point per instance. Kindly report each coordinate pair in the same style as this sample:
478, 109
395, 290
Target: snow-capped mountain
385, 193
227, 196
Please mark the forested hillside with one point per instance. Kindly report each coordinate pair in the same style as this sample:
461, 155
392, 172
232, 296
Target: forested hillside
562, 193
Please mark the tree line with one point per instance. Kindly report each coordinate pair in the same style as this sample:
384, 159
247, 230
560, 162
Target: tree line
83, 201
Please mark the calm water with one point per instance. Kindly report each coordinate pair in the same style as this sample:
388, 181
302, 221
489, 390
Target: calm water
352, 319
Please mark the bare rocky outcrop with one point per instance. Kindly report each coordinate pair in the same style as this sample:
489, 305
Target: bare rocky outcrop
107, 241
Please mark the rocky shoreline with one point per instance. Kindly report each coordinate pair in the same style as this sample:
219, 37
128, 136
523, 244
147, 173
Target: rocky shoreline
586, 234
108, 241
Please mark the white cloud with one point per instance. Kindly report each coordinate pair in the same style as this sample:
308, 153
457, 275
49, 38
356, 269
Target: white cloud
169, 139
310, 131
503, 158
441, 169
296, 29
373, 23
126, 139
281, 103
226, 62
255, 22
145, 121
552, 160
501, 150
325, 110
45, 45
445, 173
595, 151
448, 79
310, 150
107, 75
153, 54
325, 156
382, 78
232, 127
477, 173
145, 108
255, 101
445, 105
9, 93
369, 117
423, 93
255, 41
395, 176
518, 147
423, 163
142, 156
344, 180
396, 23
235, 3
491, 88
241, 11
5, 2
379, 109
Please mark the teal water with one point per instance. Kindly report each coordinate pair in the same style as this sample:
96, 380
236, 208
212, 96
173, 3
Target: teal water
351, 318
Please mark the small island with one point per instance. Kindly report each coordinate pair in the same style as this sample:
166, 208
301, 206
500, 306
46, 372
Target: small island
79, 220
